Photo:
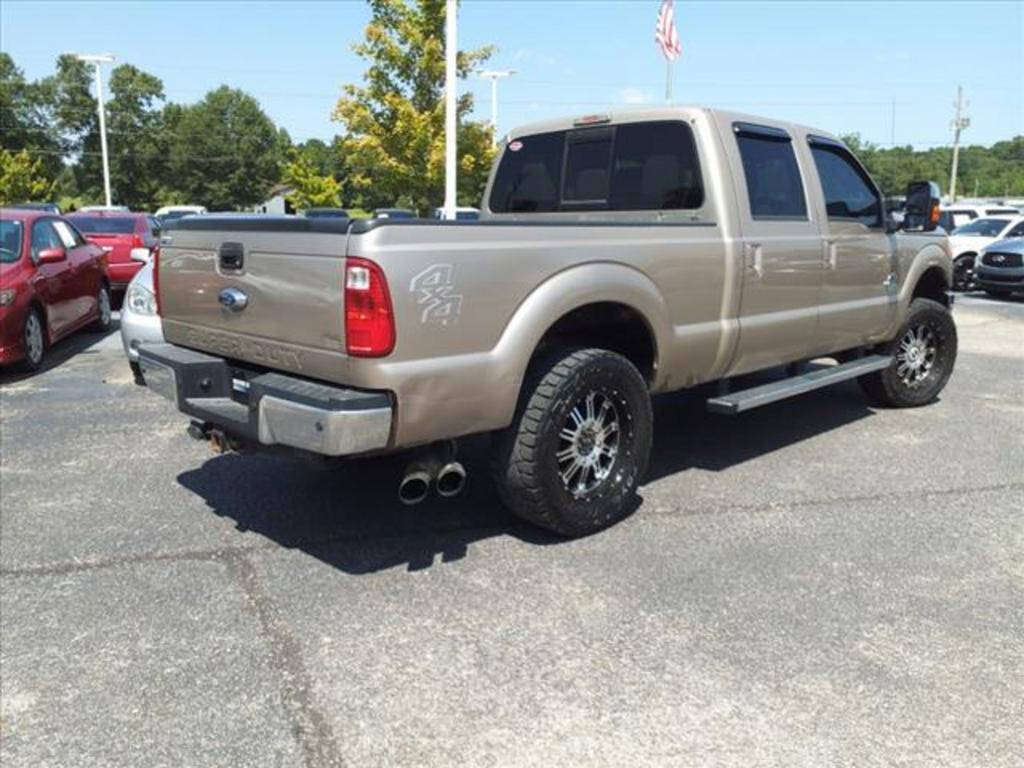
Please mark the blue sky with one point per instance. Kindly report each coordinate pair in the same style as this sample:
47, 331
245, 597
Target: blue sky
839, 66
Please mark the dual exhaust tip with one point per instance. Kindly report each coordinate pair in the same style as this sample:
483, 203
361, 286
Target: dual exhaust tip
449, 479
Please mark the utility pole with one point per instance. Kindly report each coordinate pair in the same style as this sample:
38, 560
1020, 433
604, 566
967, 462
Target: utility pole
960, 121
96, 59
450, 74
494, 75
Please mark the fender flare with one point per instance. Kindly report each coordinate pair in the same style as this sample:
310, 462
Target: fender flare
575, 287
932, 255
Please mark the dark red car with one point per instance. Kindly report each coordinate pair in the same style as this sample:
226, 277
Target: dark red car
128, 238
52, 282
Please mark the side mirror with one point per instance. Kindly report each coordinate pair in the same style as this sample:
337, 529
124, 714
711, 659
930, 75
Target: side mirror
140, 254
51, 255
922, 209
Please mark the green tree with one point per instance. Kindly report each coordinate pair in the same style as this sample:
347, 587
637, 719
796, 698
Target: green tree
23, 122
984, 171
135, 122
395, 120
22, 178
312, 189
224, 151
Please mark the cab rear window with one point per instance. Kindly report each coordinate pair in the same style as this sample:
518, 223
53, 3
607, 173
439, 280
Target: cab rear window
627, 167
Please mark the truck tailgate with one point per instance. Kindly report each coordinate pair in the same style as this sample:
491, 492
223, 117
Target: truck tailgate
284, 274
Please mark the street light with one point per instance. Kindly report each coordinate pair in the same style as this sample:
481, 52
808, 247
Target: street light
494, 75
450, 117
96, 59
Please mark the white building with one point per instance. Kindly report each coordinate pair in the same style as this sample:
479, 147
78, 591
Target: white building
277, 201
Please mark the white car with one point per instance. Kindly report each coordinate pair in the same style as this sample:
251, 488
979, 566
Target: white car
462, 213
953, 215
95, 208
967, 241
175, 212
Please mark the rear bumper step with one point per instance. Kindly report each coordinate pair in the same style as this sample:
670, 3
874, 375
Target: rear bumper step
744, 400
281, 410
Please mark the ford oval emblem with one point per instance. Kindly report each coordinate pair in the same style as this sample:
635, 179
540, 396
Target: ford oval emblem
233, 299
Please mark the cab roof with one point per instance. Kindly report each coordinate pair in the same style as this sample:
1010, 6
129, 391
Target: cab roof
648, 114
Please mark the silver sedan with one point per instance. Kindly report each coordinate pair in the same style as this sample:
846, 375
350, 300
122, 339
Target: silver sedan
140, 324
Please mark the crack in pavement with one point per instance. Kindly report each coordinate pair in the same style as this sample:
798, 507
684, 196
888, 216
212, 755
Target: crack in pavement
309, 725
221, 554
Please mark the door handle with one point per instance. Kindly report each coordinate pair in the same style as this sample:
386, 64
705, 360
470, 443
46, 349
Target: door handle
752, 257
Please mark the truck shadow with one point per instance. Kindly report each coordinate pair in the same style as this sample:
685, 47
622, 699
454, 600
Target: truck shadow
348, 515
686, 436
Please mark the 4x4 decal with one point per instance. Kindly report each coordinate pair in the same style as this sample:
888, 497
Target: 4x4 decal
435, 293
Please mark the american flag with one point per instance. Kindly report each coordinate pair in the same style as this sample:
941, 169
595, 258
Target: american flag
665, 32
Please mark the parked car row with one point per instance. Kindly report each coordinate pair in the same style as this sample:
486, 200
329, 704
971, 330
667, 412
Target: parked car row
953, 215
968, 241
53, 282
59, 274
999, 268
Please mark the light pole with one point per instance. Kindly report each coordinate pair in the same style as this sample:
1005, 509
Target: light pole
96, 59
450, 73
494, 75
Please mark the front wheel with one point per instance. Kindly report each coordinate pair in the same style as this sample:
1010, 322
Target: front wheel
574, 455
923, 355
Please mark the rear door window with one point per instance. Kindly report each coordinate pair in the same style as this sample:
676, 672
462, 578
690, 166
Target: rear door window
67, 234
774, 186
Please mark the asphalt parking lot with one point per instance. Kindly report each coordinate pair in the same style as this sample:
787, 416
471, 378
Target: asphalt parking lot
816, 583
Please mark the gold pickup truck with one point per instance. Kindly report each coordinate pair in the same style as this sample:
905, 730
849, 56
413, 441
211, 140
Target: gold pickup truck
616, 256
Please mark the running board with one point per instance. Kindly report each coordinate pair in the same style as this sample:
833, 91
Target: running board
737, 402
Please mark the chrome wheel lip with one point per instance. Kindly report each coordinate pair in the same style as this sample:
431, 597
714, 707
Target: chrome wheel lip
33, 338
104, 305
588, 443
916, 353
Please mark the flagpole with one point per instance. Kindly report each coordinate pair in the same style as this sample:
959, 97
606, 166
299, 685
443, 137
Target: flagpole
668, 81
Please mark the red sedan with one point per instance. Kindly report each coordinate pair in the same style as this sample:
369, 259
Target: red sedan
52, 282
127, 237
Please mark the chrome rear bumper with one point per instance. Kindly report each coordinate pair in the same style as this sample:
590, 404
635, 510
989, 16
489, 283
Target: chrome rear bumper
269, 408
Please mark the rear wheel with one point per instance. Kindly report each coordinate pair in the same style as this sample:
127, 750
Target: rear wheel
34, 340
963, 269
574, 455
923, 353
102, 323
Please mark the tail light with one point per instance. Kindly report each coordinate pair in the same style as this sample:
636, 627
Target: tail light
140, 251
369, 320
